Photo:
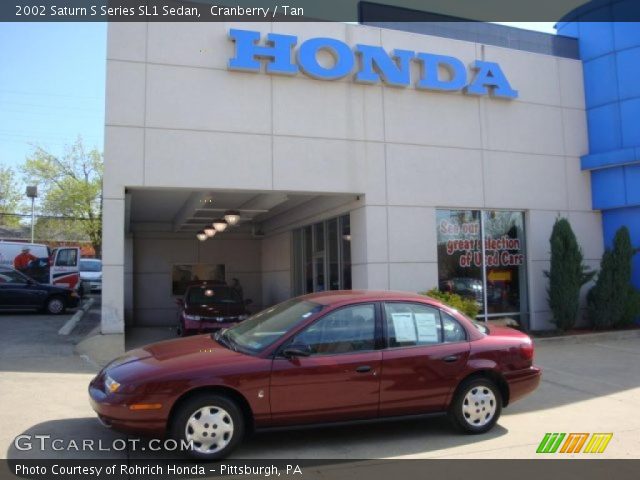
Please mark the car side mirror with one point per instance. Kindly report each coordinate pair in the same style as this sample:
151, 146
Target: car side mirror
248, 301
296, 350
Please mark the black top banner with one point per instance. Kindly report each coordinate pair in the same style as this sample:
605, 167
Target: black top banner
314, 10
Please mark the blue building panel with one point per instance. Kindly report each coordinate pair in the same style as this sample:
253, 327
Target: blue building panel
630, 122
596, 39
612, 220
600, 83
632, 184
604, 128
628, 72
608, 188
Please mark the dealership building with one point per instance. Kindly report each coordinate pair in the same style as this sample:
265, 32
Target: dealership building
362, 157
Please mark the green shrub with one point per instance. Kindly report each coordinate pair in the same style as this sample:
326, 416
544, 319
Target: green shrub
467, 306
613, 302
566, 275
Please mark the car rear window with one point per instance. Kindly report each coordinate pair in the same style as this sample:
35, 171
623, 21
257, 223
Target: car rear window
90, 266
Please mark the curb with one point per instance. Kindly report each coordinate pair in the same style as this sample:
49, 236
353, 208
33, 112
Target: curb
589, 337
68, 327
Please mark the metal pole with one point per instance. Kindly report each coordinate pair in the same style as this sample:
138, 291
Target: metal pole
32, 217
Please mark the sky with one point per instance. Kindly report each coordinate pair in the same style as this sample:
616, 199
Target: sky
52, 78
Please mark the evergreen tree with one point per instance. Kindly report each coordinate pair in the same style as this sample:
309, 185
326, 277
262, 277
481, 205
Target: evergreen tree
566, 275
613, 301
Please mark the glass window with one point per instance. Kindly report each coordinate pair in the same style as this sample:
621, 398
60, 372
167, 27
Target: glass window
452, 331
349, 329
11, 276
345, 224
481, 256
67, 257
332, 254
262, 329
411, 324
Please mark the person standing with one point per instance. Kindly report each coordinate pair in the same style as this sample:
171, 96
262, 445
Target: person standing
23, 259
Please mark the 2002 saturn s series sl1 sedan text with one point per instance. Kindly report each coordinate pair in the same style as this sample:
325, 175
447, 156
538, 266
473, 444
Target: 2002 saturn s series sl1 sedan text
321, 358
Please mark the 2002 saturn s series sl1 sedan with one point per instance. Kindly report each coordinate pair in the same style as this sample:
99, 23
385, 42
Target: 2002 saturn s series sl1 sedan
321, 358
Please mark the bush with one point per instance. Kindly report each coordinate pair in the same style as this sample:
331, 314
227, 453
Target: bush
566, 275
467, 306
613, 302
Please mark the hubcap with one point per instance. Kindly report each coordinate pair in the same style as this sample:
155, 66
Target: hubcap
55, 306
479, 406
210, 429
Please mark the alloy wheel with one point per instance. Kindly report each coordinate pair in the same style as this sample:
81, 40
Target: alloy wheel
479, 406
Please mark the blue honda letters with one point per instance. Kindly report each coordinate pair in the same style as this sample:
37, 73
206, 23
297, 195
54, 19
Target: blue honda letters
372, 64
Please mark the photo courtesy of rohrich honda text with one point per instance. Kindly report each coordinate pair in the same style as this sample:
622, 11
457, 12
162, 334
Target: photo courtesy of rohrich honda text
339, 239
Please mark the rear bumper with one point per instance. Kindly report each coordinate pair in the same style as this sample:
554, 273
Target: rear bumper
523, 382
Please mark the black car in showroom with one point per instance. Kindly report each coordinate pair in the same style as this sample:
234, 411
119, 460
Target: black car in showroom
20, 292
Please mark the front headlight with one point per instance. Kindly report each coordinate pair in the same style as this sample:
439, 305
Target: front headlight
192, 317
110, 384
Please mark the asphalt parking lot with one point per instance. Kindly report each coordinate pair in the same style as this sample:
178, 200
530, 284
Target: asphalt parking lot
587, 387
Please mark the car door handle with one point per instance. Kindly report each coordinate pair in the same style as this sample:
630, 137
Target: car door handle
363, 369
450, 358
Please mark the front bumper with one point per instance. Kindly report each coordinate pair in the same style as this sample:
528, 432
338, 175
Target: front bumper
195, 326
113, 412
523, 382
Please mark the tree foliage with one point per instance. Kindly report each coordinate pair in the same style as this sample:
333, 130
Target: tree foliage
70, 186
612, 301
10, 198
566, 276
467, 306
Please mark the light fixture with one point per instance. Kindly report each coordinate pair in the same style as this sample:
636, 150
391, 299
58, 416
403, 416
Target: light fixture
232, 217
201, 236
220, 224
209, 231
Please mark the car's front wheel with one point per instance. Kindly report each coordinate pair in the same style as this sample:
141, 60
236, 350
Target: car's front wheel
476, 406
55, 306
212, 424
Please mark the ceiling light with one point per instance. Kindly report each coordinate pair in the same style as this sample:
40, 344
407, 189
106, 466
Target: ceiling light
220, 225
232, 217
209, 231
201, 236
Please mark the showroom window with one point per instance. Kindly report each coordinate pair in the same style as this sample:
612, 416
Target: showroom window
482, 256
322, 256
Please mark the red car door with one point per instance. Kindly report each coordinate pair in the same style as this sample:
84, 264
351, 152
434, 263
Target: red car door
339, 380
425, 356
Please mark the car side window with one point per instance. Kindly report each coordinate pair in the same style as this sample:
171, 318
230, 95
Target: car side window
346, 330
411, 324
12, 277
452, 331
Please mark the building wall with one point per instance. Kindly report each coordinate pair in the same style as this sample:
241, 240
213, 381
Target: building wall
155, 253
403, 152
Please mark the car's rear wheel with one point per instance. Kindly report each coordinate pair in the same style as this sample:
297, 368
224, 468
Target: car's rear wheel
212, 424
476, 406
55, 306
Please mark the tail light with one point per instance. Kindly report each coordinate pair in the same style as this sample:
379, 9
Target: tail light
527, 350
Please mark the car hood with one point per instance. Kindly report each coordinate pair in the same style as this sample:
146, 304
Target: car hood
174, 357
215, 310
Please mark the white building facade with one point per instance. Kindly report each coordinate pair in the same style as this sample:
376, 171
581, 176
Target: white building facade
339, 184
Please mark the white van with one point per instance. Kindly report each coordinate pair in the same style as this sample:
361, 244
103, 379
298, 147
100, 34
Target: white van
59, 266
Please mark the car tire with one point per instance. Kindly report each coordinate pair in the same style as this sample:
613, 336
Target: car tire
180, 330
214, 423
476, 406
55, 305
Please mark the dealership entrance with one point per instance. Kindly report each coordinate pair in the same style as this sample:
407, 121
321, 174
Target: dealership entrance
277, 245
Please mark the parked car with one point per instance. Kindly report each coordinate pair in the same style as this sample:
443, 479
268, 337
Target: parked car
20, 292
320, 358
91, 273
208, 306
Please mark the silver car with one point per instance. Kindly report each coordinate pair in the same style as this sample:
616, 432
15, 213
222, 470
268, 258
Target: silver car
91, 273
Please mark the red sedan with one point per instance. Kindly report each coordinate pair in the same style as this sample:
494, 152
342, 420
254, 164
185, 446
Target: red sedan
321, 358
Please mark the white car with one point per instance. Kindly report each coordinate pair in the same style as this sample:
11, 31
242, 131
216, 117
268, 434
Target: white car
91, 273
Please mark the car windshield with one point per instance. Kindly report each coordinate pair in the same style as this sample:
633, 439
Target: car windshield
211, 295
264, 328
90, 266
